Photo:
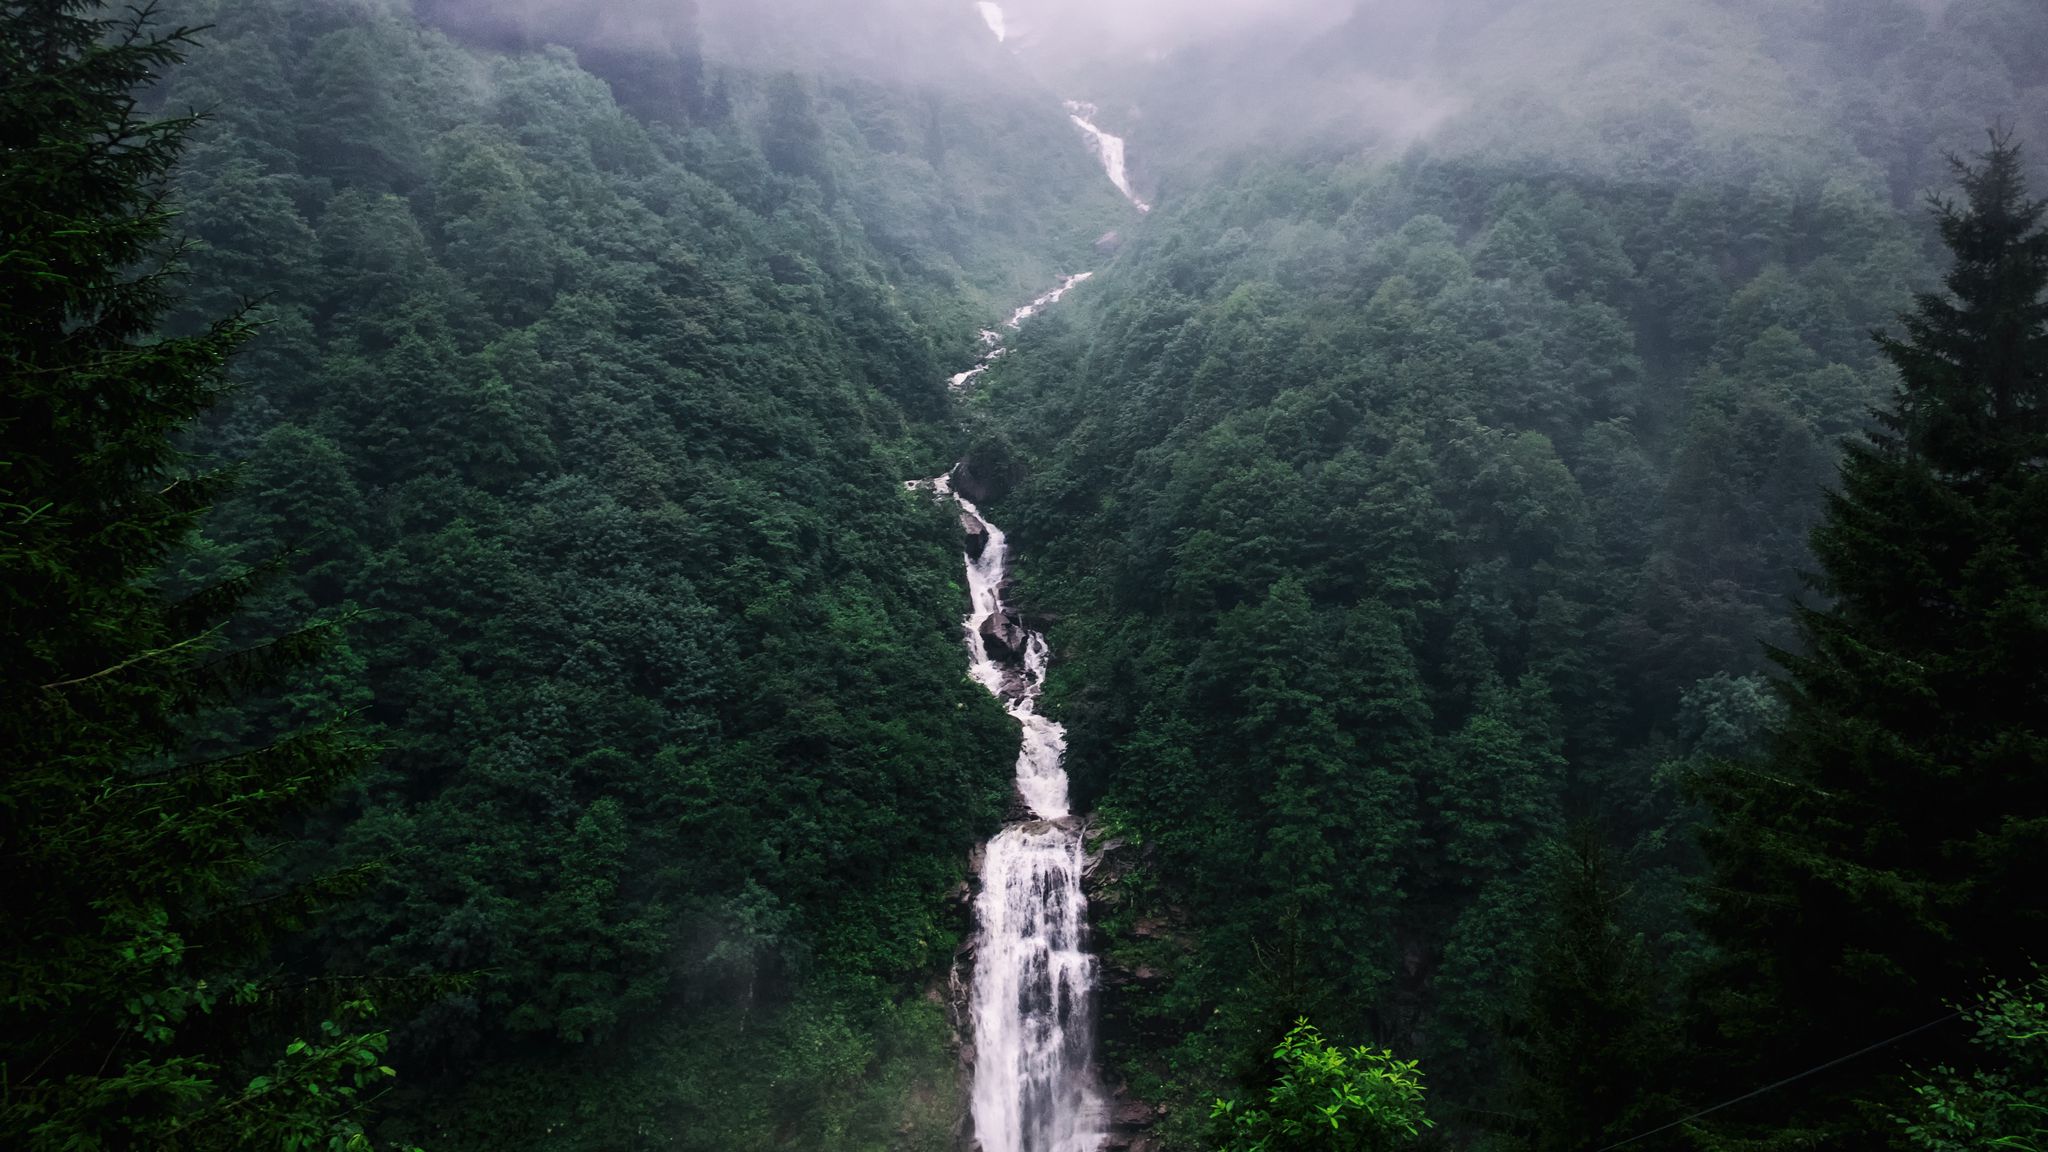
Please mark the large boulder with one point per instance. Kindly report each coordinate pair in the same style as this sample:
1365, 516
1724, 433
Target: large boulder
976, 534
989, 471
1004, 637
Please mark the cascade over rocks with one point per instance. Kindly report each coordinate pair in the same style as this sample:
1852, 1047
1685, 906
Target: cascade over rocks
1030, 1000
1109, 149
1004, 636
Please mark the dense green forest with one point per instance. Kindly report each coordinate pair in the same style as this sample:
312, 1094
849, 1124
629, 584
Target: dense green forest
1418, 531
593, 430
1542, 532
600, 424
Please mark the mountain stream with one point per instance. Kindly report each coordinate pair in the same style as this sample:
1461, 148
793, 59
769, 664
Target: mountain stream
1034, 1080
1035, 1083
1030, 996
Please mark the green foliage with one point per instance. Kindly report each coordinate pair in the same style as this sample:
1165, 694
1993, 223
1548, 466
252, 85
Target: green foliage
1885, 849
1328, 1098
1398, 508
600, 421
1374, 557
1590, 1042
2003, 1101
137, 997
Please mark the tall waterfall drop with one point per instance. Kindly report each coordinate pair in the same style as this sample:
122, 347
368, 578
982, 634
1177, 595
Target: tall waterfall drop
992, 14
1108, 149
1034, 1081
1035, 1088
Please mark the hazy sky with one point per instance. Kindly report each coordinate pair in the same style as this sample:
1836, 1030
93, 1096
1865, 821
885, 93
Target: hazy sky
1096, 50
1148, 26
1134, 27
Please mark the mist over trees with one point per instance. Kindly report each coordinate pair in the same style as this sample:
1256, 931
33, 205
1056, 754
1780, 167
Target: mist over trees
1540, 530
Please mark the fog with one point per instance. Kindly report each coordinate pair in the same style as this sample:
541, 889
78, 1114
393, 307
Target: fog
1055, 37
1366, 57
1141, 27
1184, 79
907, 40
1153, 28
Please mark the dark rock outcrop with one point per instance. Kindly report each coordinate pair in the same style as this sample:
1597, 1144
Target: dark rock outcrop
1018, 810
951, 991
1004, 636
1130, 1124
976, 534
989, 471
1138, 944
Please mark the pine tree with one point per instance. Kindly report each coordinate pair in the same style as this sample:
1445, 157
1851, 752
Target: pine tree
791, 136
131, 987
1891, 847
1585, 1040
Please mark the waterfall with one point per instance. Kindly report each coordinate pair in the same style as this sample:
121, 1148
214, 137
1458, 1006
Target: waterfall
1109, 149
992, 340
993, 15
1033, 985
1034, 1084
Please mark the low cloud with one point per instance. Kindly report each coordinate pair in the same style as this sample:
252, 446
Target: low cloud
1149, 28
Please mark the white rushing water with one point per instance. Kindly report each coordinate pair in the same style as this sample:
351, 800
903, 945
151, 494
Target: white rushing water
1031, 1000
1049, 299
1109, 149
992, 340
993, 14
1034, 1084
1034, 982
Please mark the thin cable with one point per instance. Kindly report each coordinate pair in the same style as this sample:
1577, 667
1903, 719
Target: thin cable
1818, 1068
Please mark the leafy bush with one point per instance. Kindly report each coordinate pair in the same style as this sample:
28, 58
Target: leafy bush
1328, 1099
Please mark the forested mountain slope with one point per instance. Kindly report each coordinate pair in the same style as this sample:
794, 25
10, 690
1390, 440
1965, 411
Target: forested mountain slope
600, 422
485, 638
1401, 507
1625, 89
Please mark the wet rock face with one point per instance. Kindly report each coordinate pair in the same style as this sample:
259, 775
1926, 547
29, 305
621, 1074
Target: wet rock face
1018, 810
988, 473
1004, 634
969, 482
1130, 1126
951, 992
975, 533
1110, 860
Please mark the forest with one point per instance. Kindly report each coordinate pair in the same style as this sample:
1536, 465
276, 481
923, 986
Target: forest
1534, 532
